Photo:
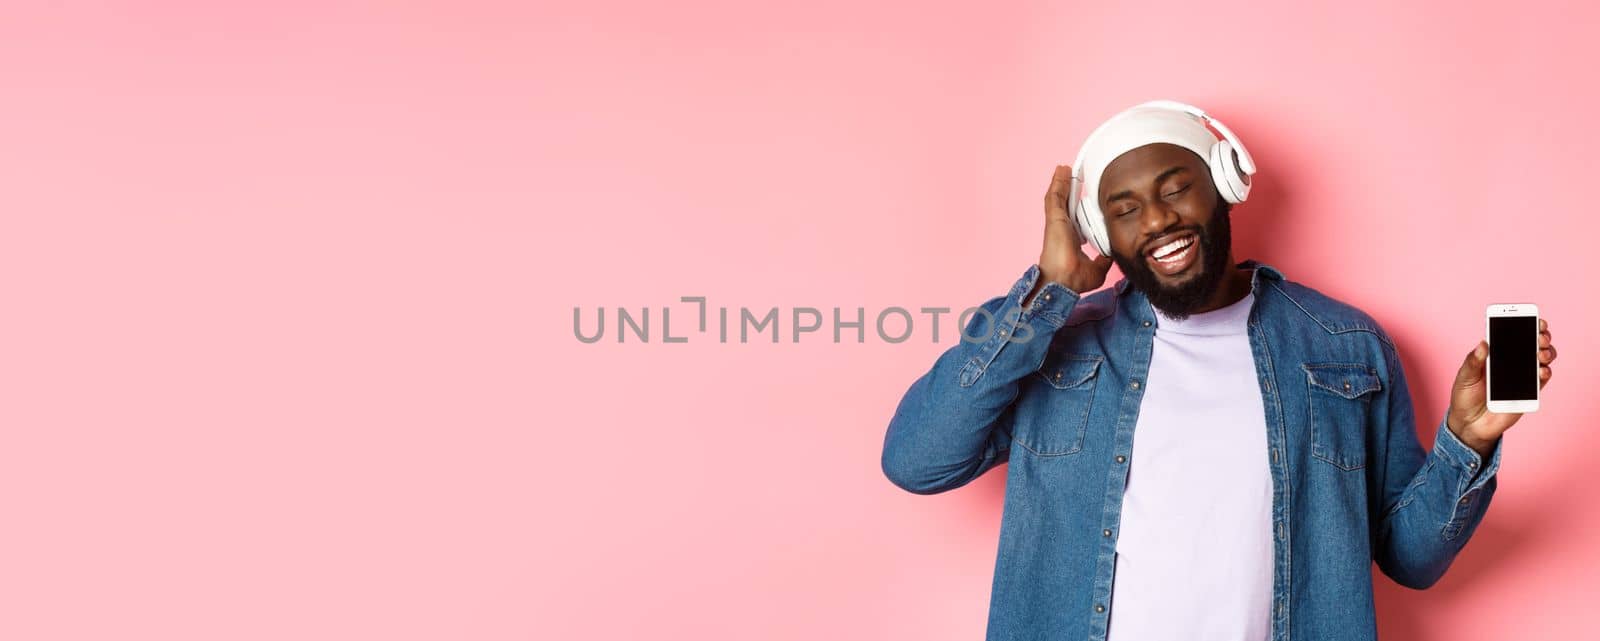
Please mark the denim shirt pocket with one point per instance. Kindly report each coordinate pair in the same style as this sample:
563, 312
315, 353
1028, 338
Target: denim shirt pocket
1339, 395
1067, 381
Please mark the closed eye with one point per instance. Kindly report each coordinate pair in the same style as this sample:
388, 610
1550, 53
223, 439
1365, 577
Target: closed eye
1180, 190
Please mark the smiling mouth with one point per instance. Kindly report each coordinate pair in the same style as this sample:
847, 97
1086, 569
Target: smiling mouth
1176, 255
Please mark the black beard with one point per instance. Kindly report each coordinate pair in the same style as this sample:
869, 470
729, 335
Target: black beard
1215, 239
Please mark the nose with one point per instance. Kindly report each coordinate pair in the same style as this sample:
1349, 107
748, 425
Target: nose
1158, 217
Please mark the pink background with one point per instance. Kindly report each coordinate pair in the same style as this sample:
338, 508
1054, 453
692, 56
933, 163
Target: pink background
287, 347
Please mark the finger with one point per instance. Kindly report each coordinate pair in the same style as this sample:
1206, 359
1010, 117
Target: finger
1544, 340
1544, 375
1102, 264
1544, 325
1077, 248
1056, 196
1471, 372
1547, 355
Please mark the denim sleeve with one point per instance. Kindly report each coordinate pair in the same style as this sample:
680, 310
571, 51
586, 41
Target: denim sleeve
954, 423
1430, 503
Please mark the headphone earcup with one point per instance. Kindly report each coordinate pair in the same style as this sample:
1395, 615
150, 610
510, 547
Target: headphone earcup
1225, 172
1087, 232
1080, 218
1102, 243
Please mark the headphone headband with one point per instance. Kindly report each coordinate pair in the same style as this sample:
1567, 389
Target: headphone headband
1246, 163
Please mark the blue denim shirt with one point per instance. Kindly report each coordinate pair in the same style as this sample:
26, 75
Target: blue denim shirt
1055, 389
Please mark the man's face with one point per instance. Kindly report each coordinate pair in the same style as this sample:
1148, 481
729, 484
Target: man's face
1167, 225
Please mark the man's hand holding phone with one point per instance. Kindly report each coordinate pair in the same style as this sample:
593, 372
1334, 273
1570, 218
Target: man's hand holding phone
1469, 417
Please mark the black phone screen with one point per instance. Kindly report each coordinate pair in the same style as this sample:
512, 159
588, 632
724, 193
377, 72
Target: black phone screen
1513, 358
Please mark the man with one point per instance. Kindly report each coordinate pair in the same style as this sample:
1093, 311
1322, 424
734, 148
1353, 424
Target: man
1207, 450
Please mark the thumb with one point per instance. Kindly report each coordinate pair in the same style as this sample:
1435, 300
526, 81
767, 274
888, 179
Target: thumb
1471, 372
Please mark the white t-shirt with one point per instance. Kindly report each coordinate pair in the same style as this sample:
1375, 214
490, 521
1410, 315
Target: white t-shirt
1194, 557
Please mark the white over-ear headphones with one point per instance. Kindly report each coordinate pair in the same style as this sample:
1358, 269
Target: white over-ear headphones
1231, 167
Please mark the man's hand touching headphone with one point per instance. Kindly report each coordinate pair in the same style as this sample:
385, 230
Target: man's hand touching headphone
1062, 260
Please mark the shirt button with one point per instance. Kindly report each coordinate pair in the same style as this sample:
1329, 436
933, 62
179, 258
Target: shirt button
1002, 333
1147, 323
1464, 500
1106, 532
1047, 296
1122, 459
1472, 463
1346, 387
1134, 385
1099, 608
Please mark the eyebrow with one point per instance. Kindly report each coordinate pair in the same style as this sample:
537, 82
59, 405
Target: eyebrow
1128, 193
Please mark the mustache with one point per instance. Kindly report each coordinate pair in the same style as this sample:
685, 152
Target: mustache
1149, 243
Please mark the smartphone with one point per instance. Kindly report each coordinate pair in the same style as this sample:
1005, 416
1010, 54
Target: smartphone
1513, 368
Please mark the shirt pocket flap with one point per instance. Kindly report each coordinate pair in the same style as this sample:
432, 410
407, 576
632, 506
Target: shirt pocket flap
1064, 371
1349, 380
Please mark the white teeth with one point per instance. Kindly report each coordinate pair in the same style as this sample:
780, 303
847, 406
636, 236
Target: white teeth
1173, 246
